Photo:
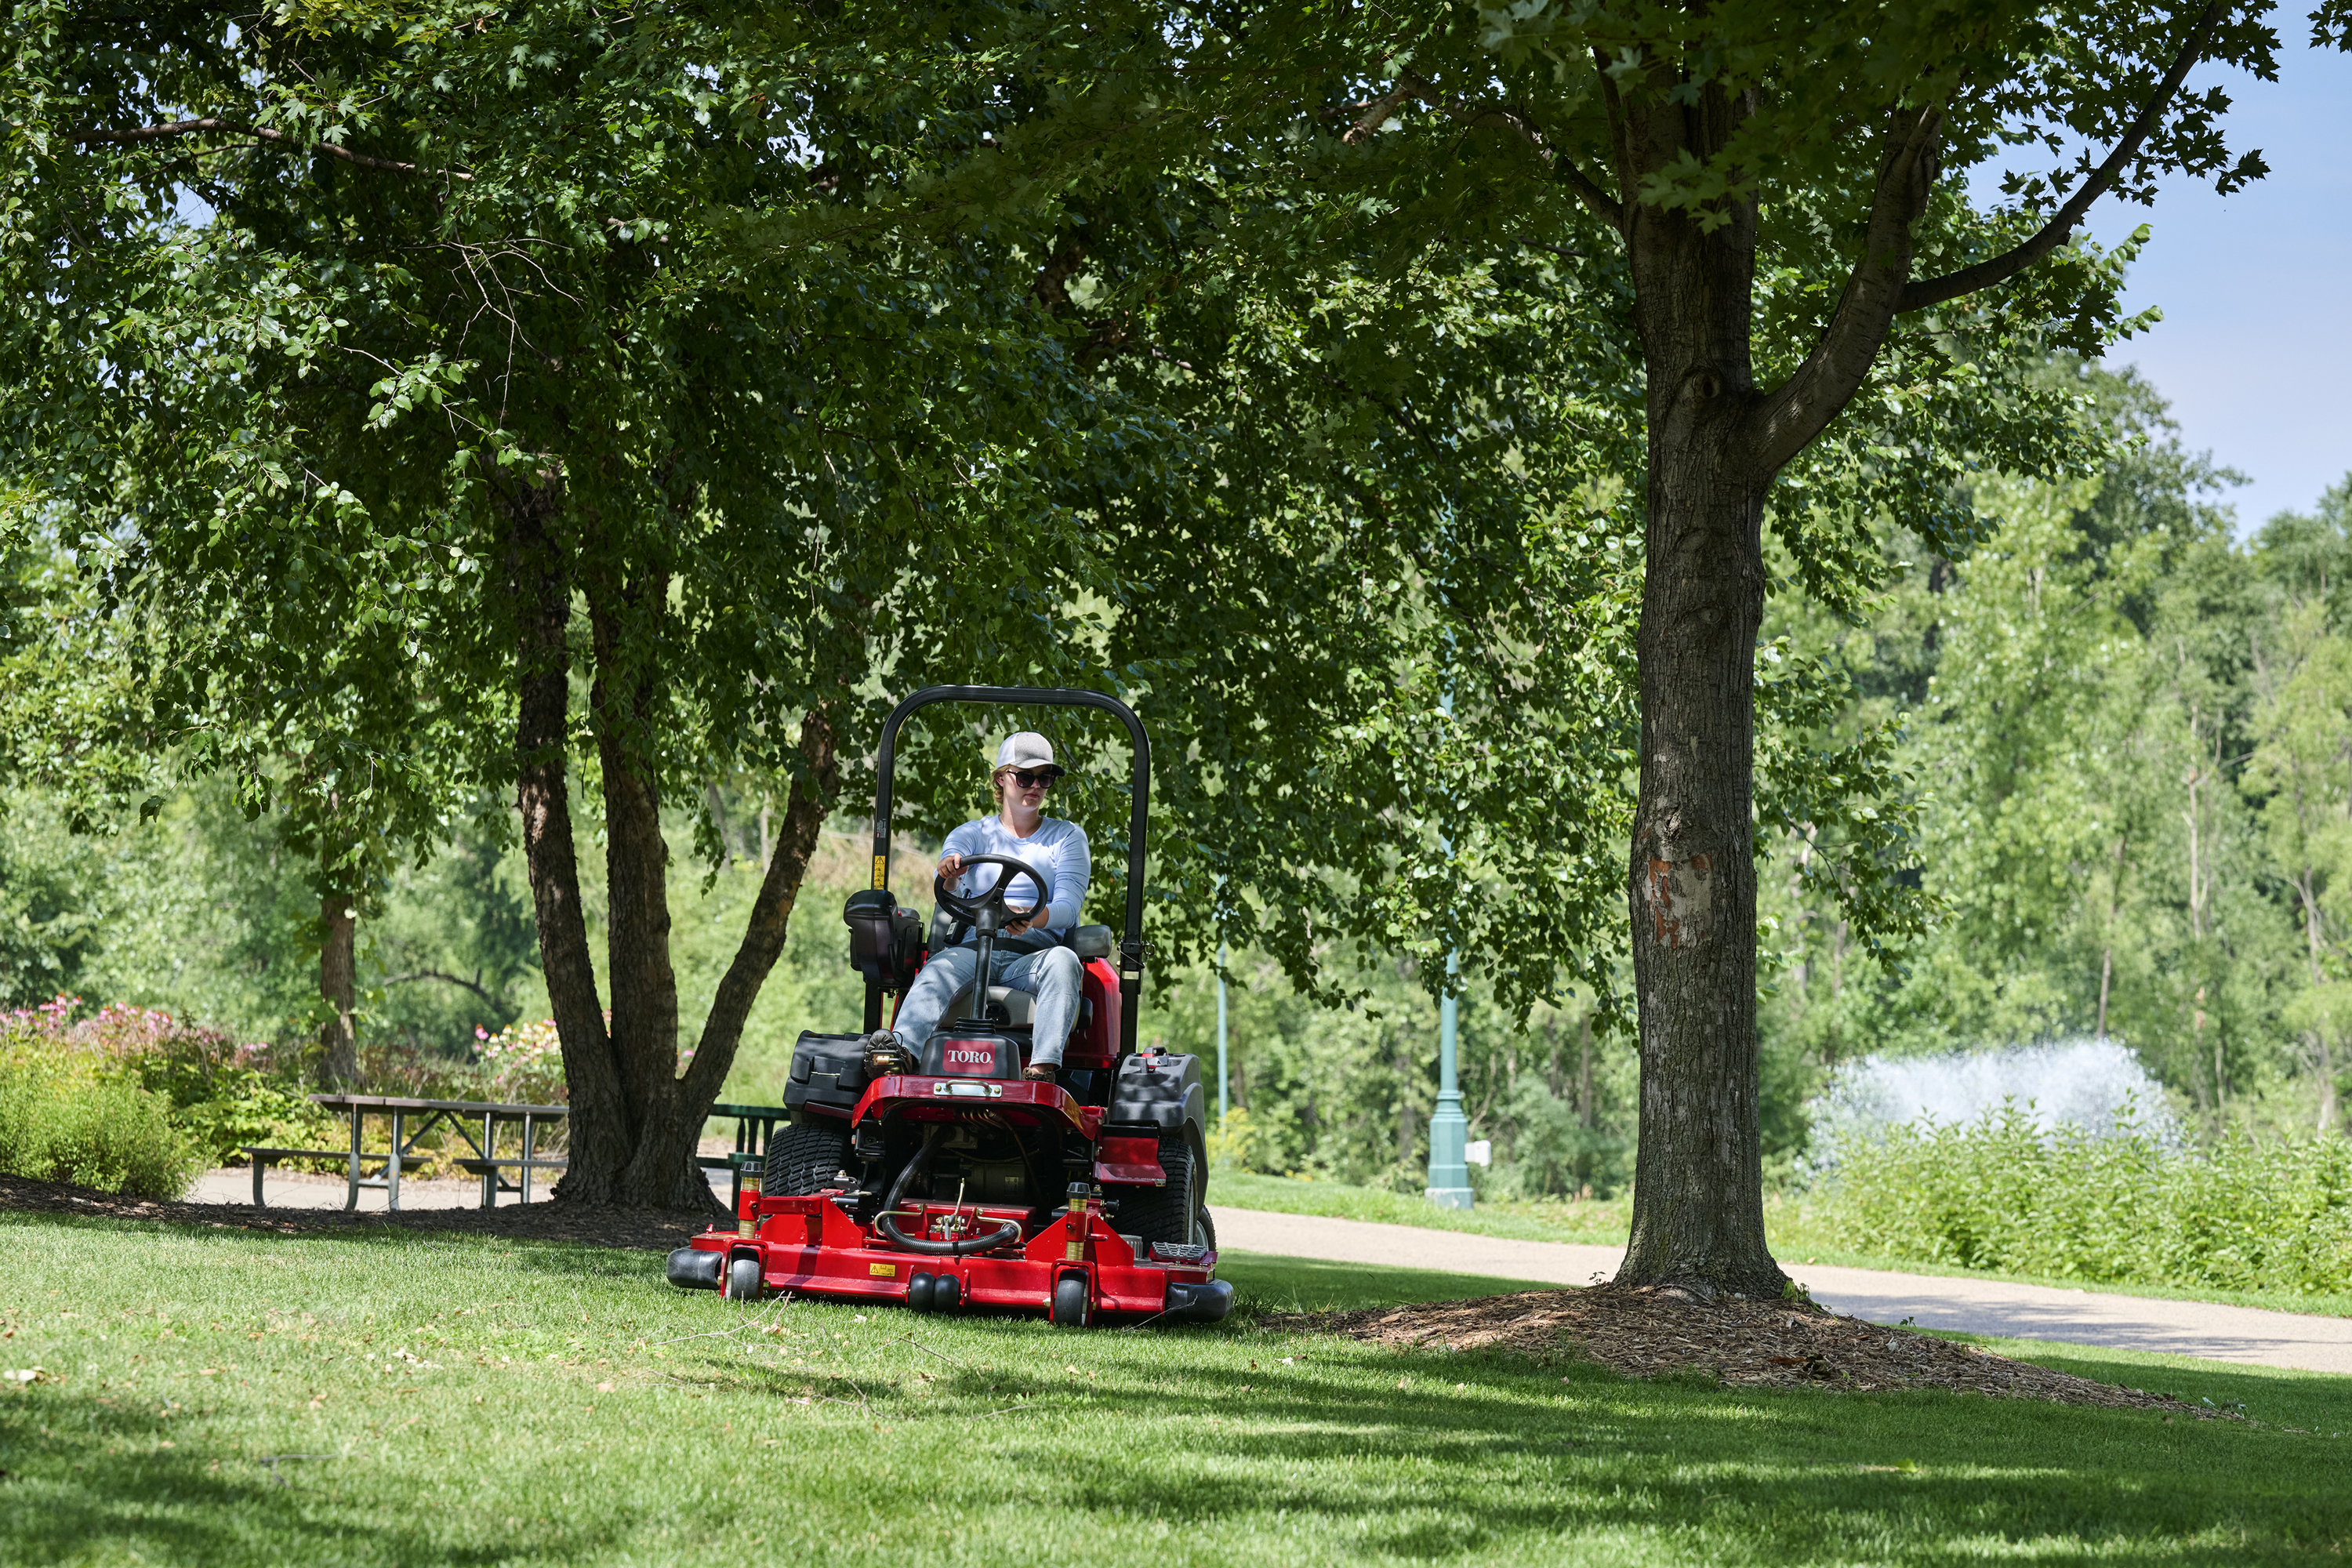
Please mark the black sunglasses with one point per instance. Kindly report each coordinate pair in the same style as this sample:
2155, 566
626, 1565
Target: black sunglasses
1028, 780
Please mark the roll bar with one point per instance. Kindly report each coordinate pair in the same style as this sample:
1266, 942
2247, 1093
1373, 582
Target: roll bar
1130, 947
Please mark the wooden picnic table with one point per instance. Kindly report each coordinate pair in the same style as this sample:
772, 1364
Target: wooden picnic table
460, 1115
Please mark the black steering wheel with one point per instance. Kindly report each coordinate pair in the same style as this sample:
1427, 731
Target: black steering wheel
969, 910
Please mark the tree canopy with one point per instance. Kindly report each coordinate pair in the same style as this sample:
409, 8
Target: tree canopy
1307, 375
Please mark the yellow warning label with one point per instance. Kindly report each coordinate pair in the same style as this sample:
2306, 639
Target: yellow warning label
881, 870
883, 1270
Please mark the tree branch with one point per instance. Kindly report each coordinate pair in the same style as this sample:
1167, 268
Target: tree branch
1923, 292
1789, 419
1377, 113
771, 913
259, 133
449, 979
1589, 191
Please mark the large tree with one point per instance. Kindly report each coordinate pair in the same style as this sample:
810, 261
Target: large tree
1831, 276
409, 371
1809, 210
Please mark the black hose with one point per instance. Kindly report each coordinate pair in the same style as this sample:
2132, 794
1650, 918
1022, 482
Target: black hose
1007, 1231
916, 1164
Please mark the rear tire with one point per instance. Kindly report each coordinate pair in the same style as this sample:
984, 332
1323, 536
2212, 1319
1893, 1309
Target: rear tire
1165, 1213
806, 1157
1070, 1302
1208, 1232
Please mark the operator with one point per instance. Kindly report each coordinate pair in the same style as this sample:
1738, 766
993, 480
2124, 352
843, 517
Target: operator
1033, 953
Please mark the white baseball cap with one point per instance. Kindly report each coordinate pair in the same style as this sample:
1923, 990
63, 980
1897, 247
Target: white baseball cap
1028, 749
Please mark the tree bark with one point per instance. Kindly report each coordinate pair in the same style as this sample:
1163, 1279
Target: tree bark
339, 985
1698, 1201
634, 1120
539, 568
624, 617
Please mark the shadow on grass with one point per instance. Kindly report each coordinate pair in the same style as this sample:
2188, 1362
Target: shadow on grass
1502, 1452
576, 1260
1348, 1448
2317, 1401
91, 1480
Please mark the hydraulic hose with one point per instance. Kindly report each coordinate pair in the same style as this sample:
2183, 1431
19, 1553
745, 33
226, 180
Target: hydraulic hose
1006, 1231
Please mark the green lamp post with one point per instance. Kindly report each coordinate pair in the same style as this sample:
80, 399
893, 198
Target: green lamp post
1449, 1130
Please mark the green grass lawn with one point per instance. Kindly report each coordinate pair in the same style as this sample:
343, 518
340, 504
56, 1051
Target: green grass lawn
1795, 1229
480, 1402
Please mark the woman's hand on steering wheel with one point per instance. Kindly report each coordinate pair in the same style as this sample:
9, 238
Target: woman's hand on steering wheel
1014, 922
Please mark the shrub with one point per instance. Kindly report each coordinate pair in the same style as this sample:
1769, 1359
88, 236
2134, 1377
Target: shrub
68, 1114
522, 1063
2001, 1193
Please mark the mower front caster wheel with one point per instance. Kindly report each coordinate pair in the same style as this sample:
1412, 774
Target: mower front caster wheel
1070, 1303
743, 1280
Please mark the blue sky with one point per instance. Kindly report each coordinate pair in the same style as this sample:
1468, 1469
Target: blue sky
2255, 348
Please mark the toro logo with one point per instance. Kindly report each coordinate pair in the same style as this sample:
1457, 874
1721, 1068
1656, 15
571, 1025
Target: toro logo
969, 1059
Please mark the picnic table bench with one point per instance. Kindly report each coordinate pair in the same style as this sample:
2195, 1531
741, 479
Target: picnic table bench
460, 1115
754, 1125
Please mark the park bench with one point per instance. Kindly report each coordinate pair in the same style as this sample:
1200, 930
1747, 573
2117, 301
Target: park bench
264, 1157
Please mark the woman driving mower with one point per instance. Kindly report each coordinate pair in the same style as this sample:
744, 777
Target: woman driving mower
1032, 946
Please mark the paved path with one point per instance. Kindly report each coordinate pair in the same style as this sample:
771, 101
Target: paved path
1975, 1306
308, 1190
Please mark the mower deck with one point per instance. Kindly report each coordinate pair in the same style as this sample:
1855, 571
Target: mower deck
812, 1246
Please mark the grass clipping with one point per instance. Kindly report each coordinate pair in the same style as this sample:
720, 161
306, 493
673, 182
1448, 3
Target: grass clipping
1649, 1331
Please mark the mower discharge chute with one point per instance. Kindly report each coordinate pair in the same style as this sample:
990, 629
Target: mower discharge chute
943, 1178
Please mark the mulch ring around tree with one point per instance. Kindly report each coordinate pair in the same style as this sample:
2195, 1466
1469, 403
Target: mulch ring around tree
655, 1230
1648, 1331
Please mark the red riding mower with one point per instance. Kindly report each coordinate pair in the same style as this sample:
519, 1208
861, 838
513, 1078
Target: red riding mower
943, 1178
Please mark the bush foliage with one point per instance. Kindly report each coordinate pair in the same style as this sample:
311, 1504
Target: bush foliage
71, 1113
2238, 1212
132, 1099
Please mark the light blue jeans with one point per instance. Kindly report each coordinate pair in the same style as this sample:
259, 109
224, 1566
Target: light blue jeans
1052, 977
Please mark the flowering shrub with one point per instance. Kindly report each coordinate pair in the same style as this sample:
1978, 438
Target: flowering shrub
69, 1112
221, 1094
523, 1063
2003, 1192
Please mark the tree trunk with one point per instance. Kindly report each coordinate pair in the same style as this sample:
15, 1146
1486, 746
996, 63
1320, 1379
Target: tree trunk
623, 618
1584, 1073
2326, 1065
599, 1134
2107, 953
338, 984
1699, 1196
635, 1122
665, 1165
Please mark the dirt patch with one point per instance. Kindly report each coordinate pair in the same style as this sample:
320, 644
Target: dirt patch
1643, 1332
655, 1230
